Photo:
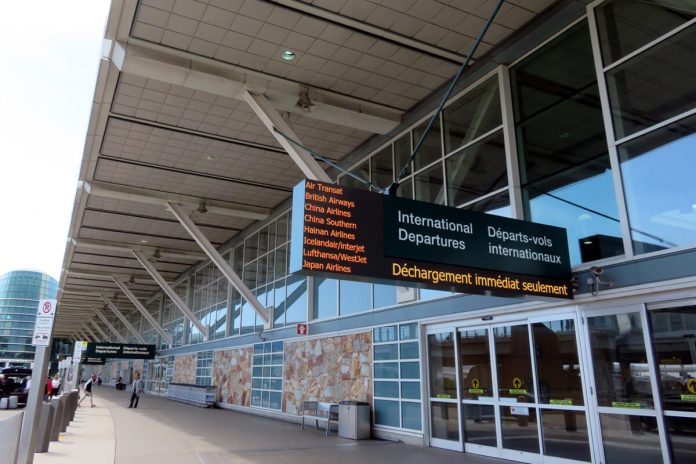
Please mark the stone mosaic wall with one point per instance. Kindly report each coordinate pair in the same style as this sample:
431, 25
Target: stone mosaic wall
185, 369
327, 369
232, 376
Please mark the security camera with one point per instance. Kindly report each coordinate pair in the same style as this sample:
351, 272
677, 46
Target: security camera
597, 271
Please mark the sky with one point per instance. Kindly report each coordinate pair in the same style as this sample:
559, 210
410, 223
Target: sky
50, 53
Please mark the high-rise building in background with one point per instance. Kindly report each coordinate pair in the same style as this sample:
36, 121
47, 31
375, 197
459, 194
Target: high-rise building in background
20, 292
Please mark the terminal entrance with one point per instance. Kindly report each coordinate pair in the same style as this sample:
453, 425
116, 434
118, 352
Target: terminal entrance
490, 396
609, 385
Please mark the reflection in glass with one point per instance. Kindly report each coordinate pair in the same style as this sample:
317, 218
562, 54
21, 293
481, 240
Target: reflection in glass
444, 421
514, 363
519, 426
564, 162
406, 189
630, 439
355, 297
682, 439
296, 302
402, 153
658, 172
475, 359
673, 337
411, 415
565, 434
473, 115
558, 367
477, 170
431, 149
443, 375
381, 168
497, 205
386, 352
429, 185
479, 425
384, 295
386, 389
325, 298
620, 365
387, 412
362, 172
655, 85
626, 25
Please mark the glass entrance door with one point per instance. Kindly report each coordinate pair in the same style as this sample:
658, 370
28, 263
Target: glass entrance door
444, 390
520, 392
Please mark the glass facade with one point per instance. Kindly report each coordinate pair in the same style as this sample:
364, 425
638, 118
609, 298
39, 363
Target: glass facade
20, 292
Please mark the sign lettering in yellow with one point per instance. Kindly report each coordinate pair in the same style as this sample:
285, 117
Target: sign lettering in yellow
691, 385
517, 382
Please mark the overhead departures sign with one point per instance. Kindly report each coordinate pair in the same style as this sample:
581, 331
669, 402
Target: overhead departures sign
347, 233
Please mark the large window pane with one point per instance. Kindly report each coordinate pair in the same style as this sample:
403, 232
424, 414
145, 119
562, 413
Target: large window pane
411, 415
630, 439
296, 302
387, 413
362, 172
479, 425
355, 297
474, 354
473, 115
655, 85
402, 154
626, 25
443, 375
558, 366
619, 361
477, 170
519, 427
564, 163
444, 421
658, 176
514, 363
384, 295
429, 185
431, 149
673, 332
682, 439
325, 298
382, 167
497, 205
565, 434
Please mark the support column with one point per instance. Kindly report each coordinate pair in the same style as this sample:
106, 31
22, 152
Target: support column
170, 293
110, 326
274, 122
146, 314
125, 321
99, 329
220, 262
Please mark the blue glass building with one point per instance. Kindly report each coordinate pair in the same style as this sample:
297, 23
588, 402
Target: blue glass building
20, 292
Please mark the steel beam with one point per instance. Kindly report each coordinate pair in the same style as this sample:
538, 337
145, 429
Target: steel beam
153, 197
91, 333
274, 122
115, 246
110, 326
123, 318
219, 261
99, 329
146, 314
170, 293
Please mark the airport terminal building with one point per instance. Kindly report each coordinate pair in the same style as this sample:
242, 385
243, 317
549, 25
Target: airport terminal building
569, 114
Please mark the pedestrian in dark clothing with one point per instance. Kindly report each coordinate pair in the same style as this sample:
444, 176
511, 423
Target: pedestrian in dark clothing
88, 389
136, 390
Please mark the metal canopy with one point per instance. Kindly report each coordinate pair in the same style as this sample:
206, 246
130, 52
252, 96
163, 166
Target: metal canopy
171, 120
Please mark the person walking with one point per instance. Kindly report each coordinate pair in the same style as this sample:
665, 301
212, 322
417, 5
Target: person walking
48, 389
137, 389
55, 383
88, 390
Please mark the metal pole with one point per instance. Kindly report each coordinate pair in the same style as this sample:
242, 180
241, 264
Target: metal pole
32, 412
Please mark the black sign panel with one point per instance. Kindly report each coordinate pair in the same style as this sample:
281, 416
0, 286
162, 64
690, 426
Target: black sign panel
348, 233
119, 351
92, 360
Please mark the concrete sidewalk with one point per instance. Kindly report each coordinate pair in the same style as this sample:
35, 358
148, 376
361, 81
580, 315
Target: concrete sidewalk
163, 431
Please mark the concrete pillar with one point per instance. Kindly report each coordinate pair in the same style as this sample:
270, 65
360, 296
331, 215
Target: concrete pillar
45, 426
58, 412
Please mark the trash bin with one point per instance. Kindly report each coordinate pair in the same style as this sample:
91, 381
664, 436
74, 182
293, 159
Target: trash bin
354, 420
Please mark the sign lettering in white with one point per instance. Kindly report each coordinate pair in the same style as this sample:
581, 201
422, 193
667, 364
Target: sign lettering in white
43, 326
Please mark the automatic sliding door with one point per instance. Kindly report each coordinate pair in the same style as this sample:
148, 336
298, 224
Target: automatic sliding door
444, 387
624, 391
673, 336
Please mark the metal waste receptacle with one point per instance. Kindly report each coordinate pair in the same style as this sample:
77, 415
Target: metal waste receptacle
354, 420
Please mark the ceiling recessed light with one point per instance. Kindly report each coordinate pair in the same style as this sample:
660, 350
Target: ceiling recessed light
143, 241
211, 157
288, 55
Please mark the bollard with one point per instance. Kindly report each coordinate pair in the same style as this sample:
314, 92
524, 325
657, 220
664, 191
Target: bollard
58, 412
66, 413
74, 398
45, 425
10, 432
